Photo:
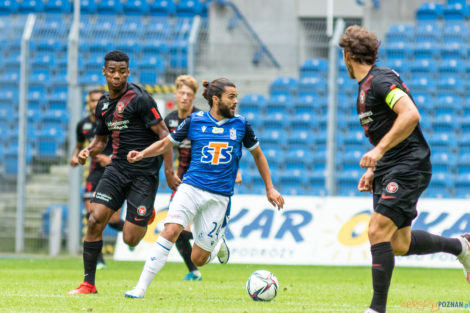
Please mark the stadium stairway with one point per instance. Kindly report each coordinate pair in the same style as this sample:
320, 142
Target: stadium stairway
41, 190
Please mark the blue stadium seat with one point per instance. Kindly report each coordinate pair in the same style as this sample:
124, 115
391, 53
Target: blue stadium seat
455, 33
136, 7
456, 66
401, 66
462, 186
58, 6
428, 33
55, 119
423, 84
346, 84
399, 51
283, 86
426, 50
275, 137
429, 12
154, 48
423, 66
88, 6
443, 141
188, 8
450, 82
455, 50
252, 105
37, 91
424, 101
441, 186
294, 183
163, 8
49, 143
178, 55
400, 33
302, 139
91, 78
347, 183
132, 28
8, 7
110, 7
275, 156
43, 61
31, 6
314, 68
312, 86
444, 162
454, 13
40, 76
350, 159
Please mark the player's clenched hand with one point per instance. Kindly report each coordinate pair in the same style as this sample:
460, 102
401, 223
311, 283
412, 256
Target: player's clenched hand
83, 155
74, 161
134, 156
366, 182
172, 180
371, 158
275, 198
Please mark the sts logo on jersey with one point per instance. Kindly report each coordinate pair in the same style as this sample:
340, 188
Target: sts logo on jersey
217, 153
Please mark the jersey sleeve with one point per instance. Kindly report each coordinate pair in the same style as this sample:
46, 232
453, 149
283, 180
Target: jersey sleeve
101, 128
148, 110
389, 88
250, 141
181, 133
79, 132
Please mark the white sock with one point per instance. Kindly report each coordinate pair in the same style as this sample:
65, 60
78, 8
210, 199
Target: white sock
155, 262
214, 252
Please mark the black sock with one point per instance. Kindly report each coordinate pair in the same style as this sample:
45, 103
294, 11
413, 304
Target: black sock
90, 257
184, 248
100, 258
425, 243
118, 225
383, 261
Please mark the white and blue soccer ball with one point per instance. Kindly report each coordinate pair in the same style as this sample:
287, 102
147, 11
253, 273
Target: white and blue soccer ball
262, 286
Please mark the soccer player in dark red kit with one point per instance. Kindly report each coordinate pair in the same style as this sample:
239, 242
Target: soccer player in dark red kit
85, 132
398, 167
130, 116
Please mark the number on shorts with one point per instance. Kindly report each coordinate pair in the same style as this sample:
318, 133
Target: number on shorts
213, 229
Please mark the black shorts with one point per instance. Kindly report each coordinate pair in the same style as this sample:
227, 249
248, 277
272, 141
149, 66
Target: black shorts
116, 185
91, 183
396, 195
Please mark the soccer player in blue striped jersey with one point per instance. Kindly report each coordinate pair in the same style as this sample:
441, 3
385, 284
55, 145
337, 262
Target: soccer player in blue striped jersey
203, 197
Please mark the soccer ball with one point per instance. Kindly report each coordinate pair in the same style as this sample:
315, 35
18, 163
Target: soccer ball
262, 286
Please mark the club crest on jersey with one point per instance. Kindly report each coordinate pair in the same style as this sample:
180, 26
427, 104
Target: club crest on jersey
120, 107
142, 210
217, 153
362, 97
392, 187
233, 134
105, 106
217, 130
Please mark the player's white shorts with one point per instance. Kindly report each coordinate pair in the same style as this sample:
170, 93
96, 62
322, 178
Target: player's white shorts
208, 211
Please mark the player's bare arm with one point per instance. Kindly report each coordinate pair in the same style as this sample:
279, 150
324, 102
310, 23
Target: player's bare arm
157, 148
406, 121
96, 146
274, 197
74, 159
103, 159
172, 178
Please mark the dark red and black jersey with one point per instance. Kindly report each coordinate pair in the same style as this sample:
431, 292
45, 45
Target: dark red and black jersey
85, 132
127, 119
172, 121
378, 93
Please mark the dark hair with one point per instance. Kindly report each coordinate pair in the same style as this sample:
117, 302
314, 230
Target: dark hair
361, 44
117, 56
215, 88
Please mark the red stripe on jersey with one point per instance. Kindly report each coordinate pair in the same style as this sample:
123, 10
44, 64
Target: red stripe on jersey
362, 104
155, 113
125, 99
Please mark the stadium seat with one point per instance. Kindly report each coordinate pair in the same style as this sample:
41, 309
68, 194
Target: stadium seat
45, 217
163, 8
55, 119
399, 51
347, 183
136, 7
293, 183
283, 86
350, 159
8, 7
275, 156
455, 33
110, 7
423, 84
424, 66
312, 86
49, 143
275, 137
462, 186
441, 186
428, 32
31, 6
429, 12
346, 84
444, 162
450, 83
400, 33
424, 101
88, 6
302, 139
316, 67
426, 50
132, 27
188, 8
401, 66
58, 6
454, 13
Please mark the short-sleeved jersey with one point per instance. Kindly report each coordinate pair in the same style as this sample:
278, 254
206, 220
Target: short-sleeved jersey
216, 149
172, 121
127, 119
378, 92
85, 132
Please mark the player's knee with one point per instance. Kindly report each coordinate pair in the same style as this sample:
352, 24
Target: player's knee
400, 248
171, 232
199, 260
95, 224
131, 240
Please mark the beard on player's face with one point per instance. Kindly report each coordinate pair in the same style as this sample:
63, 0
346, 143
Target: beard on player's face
350, 70
224, 110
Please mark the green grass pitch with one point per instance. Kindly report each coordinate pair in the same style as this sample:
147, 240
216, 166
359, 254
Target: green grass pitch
41, 285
